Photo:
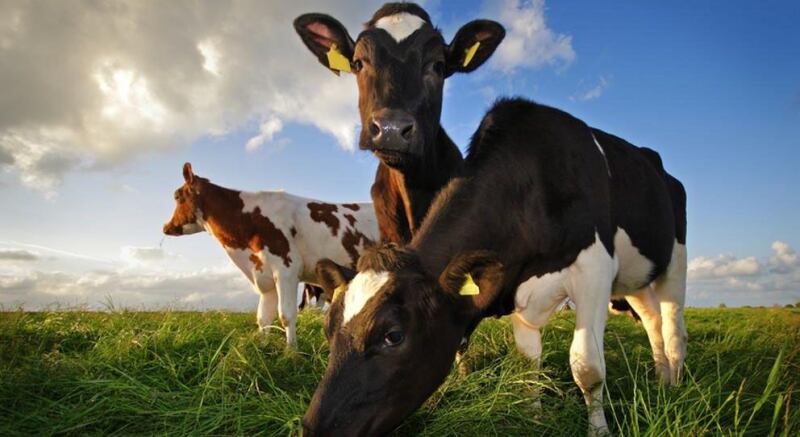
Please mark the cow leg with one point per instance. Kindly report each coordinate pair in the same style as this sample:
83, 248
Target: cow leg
645, 303
671, 293
536, 299
267, 302
590, 289
287, 305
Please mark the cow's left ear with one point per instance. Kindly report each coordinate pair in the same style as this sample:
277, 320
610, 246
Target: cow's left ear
188, 174
327, 39
472, 45
333, 278
476, 276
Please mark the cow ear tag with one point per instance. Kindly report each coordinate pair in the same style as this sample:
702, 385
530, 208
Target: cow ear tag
336, 60
470, 288
339, 290
470, 53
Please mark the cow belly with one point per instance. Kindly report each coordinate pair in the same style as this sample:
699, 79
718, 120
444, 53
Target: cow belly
634, 268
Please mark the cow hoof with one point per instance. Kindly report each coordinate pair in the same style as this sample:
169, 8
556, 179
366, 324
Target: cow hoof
598, 431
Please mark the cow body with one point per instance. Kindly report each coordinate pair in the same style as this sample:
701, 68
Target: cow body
535, 218
274, 238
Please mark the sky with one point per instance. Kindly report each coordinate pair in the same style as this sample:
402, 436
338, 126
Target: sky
102, 103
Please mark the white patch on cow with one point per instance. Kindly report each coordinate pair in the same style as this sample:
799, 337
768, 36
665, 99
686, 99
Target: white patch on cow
191, 228
634, 268
602, 152
401, 25
365, 285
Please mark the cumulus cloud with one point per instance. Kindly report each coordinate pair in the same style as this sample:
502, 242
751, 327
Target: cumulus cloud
141, 255
18, 255
746, 281
529, 42
90, 84
722, 266
594, 92
205, 288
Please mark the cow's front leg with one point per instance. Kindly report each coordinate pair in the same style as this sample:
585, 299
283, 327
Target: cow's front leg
591, 290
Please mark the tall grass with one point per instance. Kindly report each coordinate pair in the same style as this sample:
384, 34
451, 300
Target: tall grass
189, 373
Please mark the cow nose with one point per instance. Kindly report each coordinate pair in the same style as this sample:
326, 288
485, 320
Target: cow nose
169, 229
392, 130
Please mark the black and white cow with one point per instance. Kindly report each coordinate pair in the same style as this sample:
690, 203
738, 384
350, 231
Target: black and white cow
400, 62
541, 213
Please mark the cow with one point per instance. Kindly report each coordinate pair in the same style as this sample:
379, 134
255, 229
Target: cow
274, 238
400, 62
537, 215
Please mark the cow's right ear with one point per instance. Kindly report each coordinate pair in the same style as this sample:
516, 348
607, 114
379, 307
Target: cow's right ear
327, 39
188, 175
333, 278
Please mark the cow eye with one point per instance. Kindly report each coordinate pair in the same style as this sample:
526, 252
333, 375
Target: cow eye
357, 65
394, 338
438, 67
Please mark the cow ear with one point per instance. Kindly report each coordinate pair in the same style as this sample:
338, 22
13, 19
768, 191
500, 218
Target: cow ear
333, 278
472, 45
474, 276
327, 39
188, 175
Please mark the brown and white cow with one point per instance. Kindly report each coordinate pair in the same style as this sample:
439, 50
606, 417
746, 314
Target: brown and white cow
275, 238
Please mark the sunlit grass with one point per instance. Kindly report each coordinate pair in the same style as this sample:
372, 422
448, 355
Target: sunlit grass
189, 373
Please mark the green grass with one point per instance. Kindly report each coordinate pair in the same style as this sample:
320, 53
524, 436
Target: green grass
183, 373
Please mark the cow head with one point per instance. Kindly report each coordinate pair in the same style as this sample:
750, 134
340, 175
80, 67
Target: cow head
393, 332
400, 62
184, 220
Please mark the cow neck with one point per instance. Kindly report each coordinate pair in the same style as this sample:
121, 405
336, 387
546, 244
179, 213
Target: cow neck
222, 213
418, 187
456, 223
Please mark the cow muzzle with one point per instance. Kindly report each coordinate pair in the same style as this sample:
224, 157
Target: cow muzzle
392, 131
170, 229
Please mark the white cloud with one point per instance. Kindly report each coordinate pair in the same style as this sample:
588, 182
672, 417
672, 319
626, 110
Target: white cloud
785, 259
722, 266
529, 42
266, 132
746, 281
211, 288
139, 255
90, 84
594, 92
18, 255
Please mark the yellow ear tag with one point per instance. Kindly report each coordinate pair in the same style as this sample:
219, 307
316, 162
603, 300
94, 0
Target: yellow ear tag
336, 59
470, 53
470, 288
339, 290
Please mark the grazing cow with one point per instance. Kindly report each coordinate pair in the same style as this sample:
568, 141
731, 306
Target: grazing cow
400, 62
533, 219
275, 238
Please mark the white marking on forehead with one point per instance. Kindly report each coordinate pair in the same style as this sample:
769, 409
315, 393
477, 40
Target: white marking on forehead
365, 285
401, 25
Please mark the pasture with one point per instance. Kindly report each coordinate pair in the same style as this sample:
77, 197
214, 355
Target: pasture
211, 373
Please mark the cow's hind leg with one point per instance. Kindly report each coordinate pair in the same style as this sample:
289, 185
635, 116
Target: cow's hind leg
645, 303
590, 289
267, 301
671, 292
287, 305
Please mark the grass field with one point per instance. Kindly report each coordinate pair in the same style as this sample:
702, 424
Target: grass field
182, 373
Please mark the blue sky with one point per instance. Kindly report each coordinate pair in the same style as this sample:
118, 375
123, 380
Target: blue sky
712, 86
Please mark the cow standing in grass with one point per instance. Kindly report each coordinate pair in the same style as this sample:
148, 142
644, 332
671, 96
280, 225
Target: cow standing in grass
400, 62
537, 216
275, 238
